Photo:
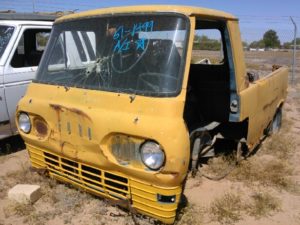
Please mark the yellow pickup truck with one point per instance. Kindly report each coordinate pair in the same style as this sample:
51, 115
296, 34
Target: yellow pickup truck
120, 109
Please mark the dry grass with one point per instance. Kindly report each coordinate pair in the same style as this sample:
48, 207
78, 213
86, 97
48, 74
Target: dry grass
227, 209
230, 208
18, 209
262, 205
28, 212
269, 167
266, 171
24, 175
218, 165
191, 215
281, 146
258, 67
57, 199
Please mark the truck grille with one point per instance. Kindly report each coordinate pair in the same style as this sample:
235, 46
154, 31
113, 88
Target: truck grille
144, 196
87, 177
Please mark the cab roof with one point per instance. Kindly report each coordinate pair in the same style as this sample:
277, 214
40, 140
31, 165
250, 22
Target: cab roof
186, 10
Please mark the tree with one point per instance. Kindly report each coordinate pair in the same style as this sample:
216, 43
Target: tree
203, 42
245, 44
257, 44
290, 45
287, 45
271, 39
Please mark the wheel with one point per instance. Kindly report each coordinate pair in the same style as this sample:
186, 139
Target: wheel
276, 123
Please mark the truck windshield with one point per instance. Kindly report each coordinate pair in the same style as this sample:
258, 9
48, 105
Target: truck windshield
5, 35
136, 54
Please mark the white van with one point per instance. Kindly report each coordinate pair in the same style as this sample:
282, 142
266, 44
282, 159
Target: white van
23, 38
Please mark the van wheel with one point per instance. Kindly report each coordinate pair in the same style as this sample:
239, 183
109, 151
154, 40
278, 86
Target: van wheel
276, 123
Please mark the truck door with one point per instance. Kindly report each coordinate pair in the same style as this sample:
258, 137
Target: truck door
22, 64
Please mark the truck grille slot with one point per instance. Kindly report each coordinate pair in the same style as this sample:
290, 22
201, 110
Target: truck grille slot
52, 159
114, 184
87, 177
70, 166
93, 173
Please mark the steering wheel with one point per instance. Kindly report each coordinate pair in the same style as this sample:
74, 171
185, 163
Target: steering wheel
132, 53
157, 82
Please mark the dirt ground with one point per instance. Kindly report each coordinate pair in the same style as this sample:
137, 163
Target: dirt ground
262, 189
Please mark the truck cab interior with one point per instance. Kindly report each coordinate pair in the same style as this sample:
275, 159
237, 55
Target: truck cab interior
208, 89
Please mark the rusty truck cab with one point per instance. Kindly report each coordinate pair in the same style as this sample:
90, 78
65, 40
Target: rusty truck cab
116, 101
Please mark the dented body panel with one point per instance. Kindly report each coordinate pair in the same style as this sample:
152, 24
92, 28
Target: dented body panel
92, 136
261, 100
87, 138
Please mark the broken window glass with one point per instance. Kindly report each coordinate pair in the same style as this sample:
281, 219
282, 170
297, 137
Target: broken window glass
135, 54
5, 35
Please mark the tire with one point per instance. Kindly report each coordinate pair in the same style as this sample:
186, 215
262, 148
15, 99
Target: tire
276, 123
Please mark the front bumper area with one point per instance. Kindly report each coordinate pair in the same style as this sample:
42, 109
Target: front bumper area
157, 202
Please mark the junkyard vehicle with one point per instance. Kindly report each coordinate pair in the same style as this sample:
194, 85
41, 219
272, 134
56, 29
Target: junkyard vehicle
22, 41
122, 112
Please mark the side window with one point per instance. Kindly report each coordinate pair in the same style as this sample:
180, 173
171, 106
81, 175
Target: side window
208, 47
30, 48
58, 57
41, 39
5, 34
80, 47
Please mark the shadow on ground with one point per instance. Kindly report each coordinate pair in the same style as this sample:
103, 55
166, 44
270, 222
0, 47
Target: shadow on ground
11, 145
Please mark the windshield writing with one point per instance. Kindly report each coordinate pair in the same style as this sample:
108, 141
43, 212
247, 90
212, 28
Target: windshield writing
122, 36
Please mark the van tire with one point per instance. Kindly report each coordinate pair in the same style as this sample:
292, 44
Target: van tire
276, 123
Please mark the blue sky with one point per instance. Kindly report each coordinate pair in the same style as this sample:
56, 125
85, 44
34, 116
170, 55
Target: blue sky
256, 16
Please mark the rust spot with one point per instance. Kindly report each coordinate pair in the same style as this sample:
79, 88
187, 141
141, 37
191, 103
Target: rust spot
62, 144
80, 113
40, 127
59, 108
132, 98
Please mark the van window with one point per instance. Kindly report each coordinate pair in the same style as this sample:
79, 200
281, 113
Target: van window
30, 48
41, 39
5, 35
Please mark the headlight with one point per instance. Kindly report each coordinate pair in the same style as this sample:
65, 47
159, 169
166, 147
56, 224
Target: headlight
152, 155
24, 123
